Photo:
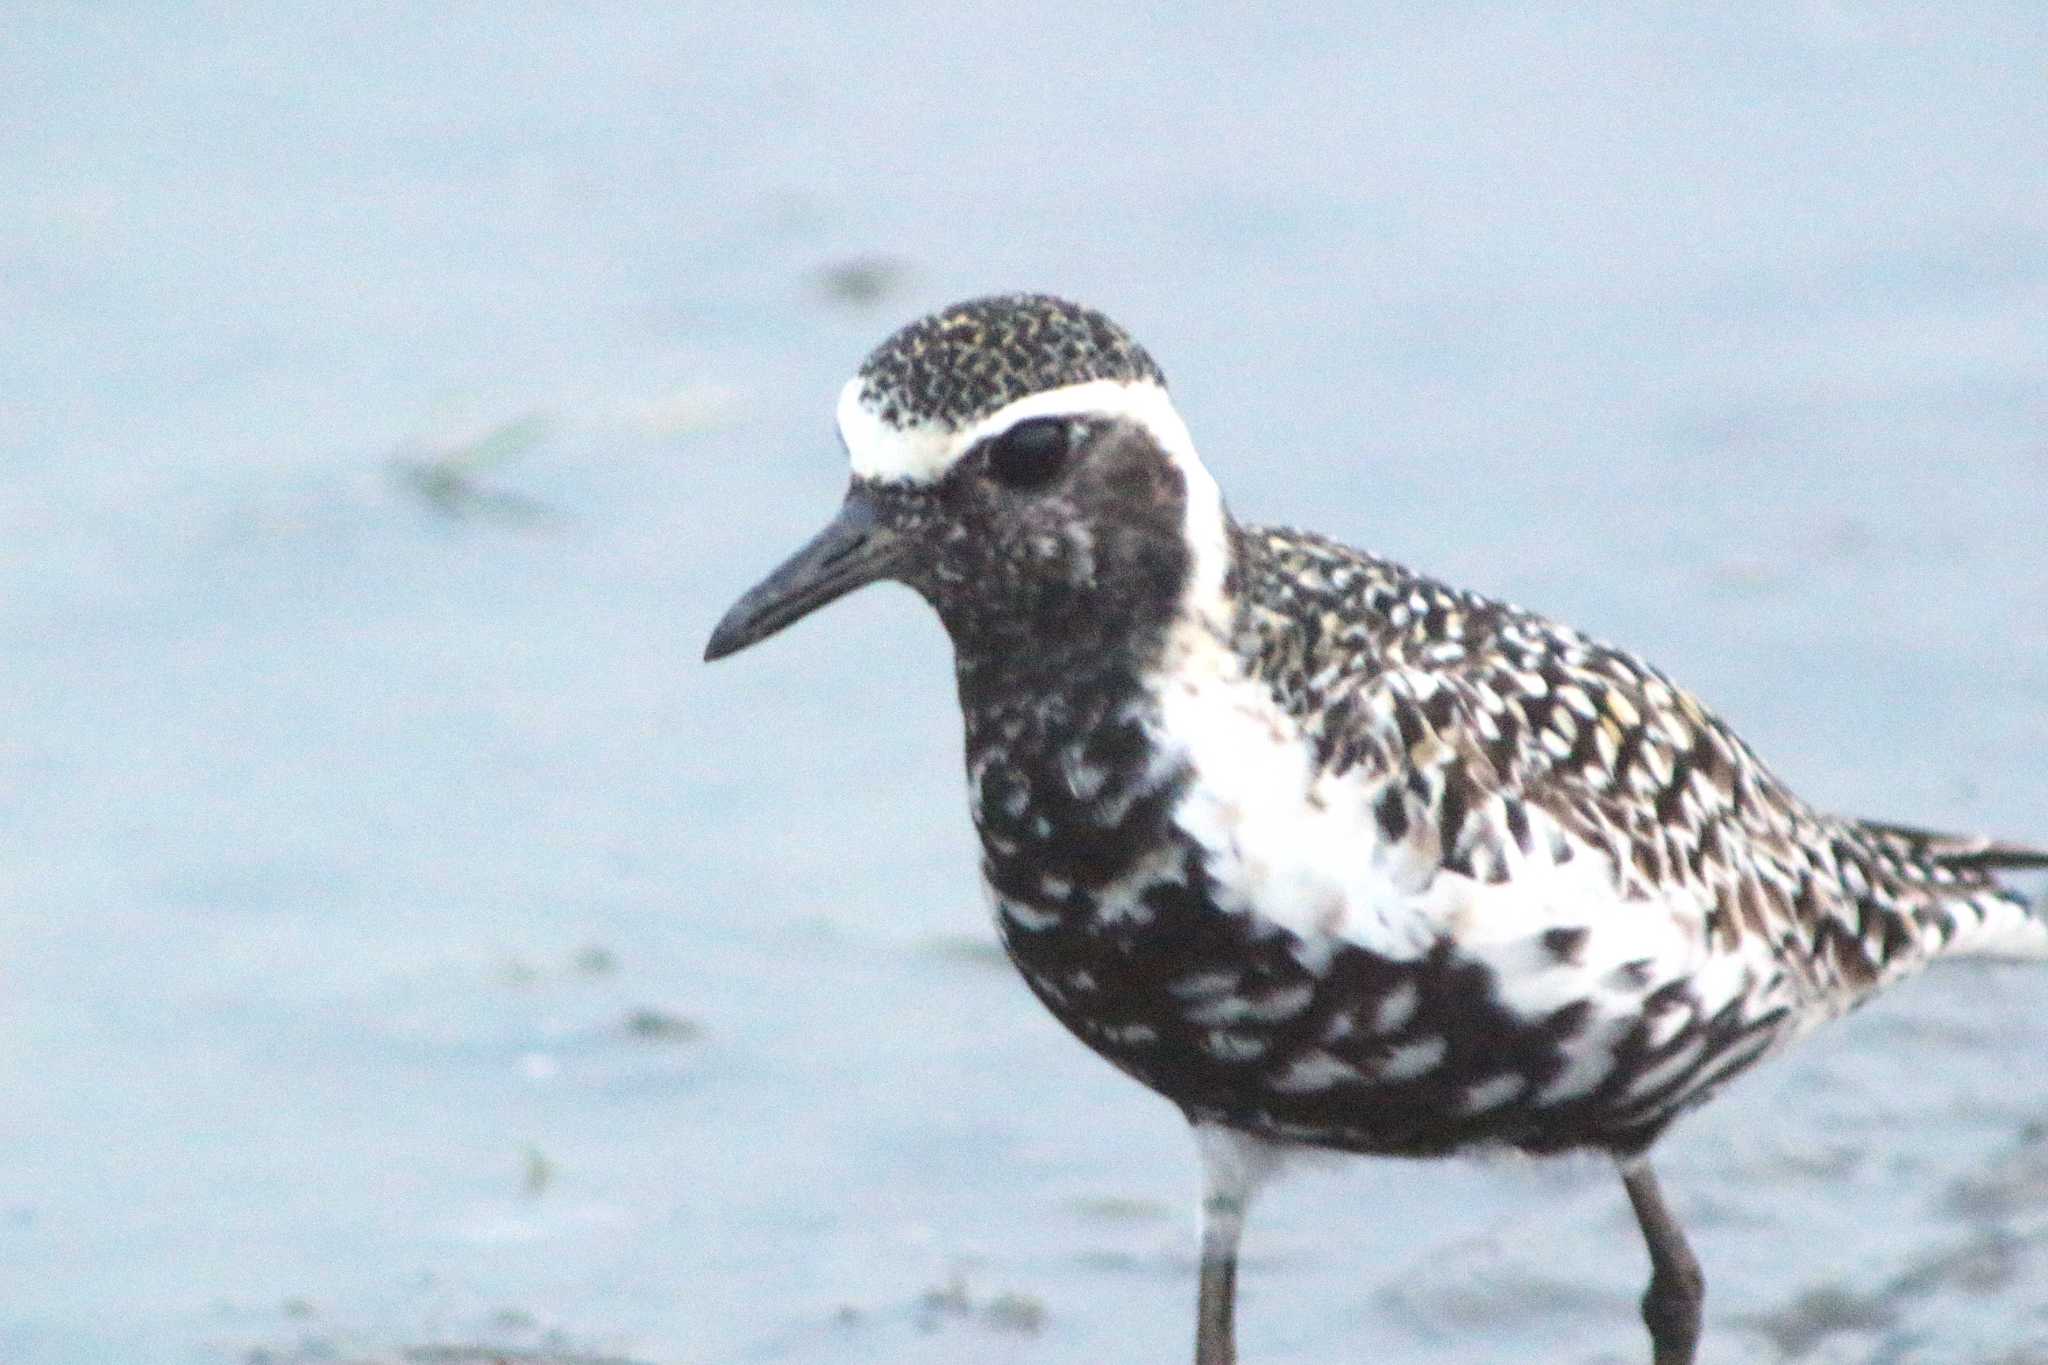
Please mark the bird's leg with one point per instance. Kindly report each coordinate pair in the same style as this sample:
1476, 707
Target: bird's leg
1216, 1311
1671, 1305
1233, 1166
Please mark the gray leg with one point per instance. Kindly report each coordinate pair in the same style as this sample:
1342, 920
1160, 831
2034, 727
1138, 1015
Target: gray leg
1216, 1314
1671, 1305
1233, 1166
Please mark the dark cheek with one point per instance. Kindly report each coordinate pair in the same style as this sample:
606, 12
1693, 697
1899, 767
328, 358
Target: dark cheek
1130, 483
1154, 563
1050, 572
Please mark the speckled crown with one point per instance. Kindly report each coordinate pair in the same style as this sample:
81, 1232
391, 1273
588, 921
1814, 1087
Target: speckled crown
962, 363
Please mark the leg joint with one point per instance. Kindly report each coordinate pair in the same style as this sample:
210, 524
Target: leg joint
1672, 1308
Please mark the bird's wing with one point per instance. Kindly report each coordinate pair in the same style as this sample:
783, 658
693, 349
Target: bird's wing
1509, 714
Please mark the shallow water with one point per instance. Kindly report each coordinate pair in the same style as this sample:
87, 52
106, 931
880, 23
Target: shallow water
408, 945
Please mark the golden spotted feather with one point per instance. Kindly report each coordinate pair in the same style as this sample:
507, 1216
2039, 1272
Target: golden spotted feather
1389, 671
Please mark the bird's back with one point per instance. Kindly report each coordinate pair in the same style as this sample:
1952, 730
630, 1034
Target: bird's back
1512, 714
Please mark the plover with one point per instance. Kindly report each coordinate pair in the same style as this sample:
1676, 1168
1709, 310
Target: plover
1331, 854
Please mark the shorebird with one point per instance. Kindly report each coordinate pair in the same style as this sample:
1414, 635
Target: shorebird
1328, 853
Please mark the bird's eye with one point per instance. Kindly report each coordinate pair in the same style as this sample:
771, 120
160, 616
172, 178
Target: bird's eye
1029, 453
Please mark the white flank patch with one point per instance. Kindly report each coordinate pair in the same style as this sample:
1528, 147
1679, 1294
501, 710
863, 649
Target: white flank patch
1668, 1023
1317, 1070
922, 452
1124, 899
1592, 1058
1410, 1060
1204, 985
1084, 780
1649, 1082
1276, 1005
1129, 1035
1318, 868
1304, 850
1026, 918
1493, 1092
1396, 1008
1229, 1045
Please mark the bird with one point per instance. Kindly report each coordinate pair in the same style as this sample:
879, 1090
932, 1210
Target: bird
1335, 856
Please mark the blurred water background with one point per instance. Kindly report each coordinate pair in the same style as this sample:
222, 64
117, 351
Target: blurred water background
407, 947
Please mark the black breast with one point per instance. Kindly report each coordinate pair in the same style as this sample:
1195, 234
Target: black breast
1109, 912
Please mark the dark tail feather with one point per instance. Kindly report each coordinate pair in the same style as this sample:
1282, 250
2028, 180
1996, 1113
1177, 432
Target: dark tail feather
1958, 852
1980, 880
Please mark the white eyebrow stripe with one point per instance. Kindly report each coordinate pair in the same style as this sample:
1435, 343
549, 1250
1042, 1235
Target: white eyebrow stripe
889, 454
922, 452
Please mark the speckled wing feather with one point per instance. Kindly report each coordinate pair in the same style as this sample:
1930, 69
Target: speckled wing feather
1509, 711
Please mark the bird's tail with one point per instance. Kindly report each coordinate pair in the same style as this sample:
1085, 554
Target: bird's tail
1996, 892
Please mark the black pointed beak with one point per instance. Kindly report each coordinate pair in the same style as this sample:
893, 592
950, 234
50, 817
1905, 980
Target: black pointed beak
853, 550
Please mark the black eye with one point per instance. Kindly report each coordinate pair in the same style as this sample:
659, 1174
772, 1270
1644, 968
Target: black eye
1030, 453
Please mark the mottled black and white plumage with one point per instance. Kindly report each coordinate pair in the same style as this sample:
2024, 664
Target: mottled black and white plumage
1328, 853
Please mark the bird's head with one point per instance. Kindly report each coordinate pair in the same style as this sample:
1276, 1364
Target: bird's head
1017, 461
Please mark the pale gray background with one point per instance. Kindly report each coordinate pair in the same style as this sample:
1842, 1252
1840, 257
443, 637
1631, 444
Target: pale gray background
343, 830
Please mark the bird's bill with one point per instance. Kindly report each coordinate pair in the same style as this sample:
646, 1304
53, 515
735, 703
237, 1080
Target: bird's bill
853, 550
